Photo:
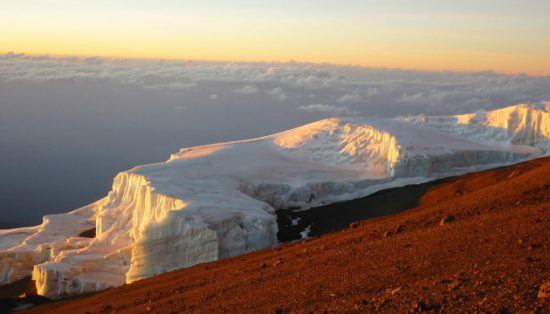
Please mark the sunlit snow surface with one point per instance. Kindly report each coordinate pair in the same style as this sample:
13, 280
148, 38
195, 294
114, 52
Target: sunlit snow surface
215, 201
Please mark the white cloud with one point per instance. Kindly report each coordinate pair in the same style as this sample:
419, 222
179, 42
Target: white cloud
213, 96
278, 93
181, 107
372, 91
246, 90
347, 98
336, 110
173, 86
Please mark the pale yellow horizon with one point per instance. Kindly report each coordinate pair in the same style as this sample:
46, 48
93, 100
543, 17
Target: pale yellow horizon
281, 61
501, 36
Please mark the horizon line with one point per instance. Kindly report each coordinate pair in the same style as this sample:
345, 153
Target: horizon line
290, 61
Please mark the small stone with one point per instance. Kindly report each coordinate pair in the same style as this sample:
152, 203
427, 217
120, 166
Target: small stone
399, 229
395, 291
454, 285
387, 234
513, 174
544, 291
354, 224
263, 265
418, 306
447, 219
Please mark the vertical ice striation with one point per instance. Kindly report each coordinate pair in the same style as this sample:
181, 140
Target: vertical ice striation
216, 201
344, 141
519, 125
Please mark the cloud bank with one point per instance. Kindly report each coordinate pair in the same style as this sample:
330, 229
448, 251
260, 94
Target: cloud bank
309, 88
334, 110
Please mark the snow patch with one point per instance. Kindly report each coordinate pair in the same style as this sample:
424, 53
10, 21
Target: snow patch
304, 234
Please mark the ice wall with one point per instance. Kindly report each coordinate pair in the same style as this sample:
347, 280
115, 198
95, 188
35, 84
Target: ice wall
23, 248
520, 125
337, 141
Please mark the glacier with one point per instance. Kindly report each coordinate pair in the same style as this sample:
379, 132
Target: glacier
215, 201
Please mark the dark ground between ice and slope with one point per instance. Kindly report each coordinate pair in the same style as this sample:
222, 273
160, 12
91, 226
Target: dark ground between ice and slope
333, 217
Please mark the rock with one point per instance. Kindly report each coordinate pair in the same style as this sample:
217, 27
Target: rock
454, 285
354, 225
263, 265
90, 233
418, 306
387, 234
399, 229
544, 291
395, 291
513, 174
446, 220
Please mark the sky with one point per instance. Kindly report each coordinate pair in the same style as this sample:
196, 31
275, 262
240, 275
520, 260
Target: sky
506, 36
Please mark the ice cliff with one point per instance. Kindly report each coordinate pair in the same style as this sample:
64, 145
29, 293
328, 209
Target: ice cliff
215, 201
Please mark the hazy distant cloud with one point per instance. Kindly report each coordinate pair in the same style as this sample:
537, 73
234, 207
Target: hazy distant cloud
181, 107
247, 90
173, 87
371, 91
330, 109
278, 93
347, 98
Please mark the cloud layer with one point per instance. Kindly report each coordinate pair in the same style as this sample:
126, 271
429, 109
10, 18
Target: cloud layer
333, 110
311, 88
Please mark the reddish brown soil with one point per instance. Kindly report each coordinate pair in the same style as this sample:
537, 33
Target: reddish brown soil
492, 257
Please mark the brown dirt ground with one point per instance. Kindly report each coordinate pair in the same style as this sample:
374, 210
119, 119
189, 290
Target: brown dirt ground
493, 257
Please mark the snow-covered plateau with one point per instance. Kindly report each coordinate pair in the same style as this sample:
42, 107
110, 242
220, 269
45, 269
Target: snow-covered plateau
215, 201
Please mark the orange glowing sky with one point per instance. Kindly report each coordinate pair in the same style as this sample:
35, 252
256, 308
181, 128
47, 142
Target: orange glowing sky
469, 35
